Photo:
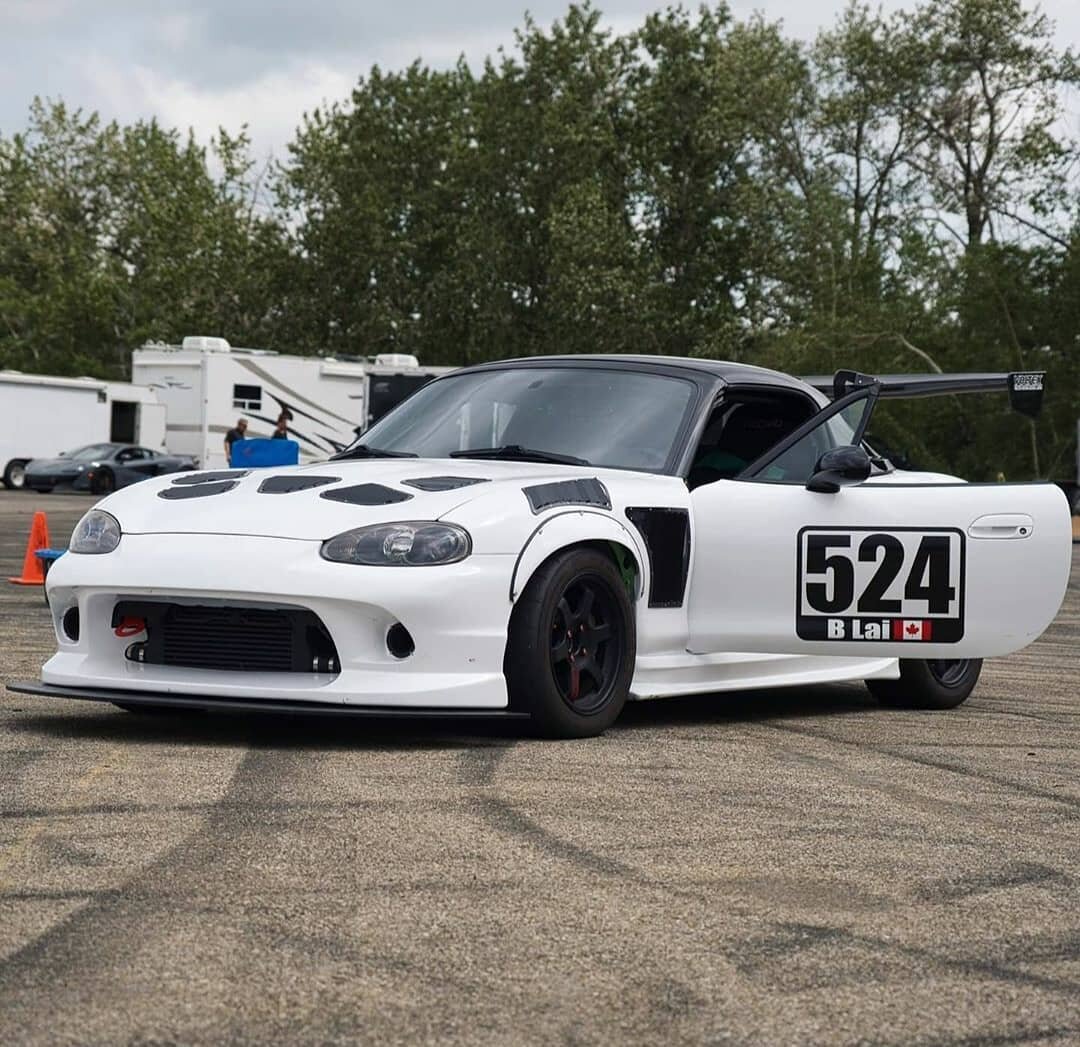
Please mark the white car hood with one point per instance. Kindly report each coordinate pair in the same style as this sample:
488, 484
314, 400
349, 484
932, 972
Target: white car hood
306, 515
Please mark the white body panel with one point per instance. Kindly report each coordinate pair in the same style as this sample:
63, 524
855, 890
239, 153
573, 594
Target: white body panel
1008, 568
257, 549
328, 398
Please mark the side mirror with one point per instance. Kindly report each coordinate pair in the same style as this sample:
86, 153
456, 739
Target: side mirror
838, 468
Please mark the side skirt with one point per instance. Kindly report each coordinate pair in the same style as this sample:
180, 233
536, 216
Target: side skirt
666, 675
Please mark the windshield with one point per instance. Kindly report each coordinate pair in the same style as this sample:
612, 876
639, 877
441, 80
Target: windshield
90, 452
614, 418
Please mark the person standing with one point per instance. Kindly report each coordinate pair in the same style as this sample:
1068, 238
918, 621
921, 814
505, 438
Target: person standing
281, 430
237, 433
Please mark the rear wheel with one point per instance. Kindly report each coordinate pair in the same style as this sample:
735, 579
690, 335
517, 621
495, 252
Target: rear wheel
103, 482
571, 646
15, 474
931, 684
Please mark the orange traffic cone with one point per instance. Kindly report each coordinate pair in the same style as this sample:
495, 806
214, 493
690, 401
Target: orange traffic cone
32, 573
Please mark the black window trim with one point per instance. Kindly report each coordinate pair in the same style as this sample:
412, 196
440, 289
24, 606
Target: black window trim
866, 392
722, 393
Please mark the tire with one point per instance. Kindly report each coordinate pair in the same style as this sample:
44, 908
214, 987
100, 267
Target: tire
928, 684
569, 692
103, 482
15, 474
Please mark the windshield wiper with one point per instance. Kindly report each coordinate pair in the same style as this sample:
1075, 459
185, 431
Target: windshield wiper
362, 451
517, 453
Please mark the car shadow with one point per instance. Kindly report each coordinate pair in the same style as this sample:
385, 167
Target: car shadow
93, 722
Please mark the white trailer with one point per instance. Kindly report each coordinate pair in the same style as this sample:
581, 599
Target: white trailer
42, 415
208, 386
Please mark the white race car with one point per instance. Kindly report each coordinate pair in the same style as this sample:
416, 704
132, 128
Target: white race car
548, 537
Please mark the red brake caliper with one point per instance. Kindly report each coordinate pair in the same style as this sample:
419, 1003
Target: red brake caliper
575, 672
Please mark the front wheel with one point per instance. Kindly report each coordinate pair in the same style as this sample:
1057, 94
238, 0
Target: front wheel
931, 684
15, 474
571, 646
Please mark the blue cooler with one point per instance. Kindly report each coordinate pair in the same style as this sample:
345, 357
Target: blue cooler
260, 452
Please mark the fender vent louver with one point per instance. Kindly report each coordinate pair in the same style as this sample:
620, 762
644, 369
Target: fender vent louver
366, 494
203, 490
589, 491
289, 484
444, 483
209, 478
667, 541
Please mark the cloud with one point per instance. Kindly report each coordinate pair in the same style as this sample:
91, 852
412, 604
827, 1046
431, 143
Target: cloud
205, 63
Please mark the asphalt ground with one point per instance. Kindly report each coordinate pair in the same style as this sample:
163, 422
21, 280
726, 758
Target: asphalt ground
778, 868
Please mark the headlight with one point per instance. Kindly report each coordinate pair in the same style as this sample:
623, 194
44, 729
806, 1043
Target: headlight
412, 543
96, 532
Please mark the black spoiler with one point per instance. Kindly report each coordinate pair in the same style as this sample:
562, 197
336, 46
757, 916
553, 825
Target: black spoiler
1025, 388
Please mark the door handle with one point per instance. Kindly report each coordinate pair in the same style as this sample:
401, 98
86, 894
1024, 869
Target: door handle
1002, 525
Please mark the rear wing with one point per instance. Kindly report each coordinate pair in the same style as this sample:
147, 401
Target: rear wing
1025, 388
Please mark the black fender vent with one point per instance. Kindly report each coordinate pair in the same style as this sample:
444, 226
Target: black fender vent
443, 483
667, 541
366, 494
209, 478
202, 490
289, 484
588, 491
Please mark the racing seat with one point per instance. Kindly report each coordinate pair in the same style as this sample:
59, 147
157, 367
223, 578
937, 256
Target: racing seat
743, 433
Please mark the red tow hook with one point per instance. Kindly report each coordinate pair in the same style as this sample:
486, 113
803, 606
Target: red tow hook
130, 627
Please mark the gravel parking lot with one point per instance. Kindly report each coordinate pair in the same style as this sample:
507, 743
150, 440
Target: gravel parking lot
781, 868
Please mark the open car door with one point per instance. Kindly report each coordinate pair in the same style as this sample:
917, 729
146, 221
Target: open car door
807, 553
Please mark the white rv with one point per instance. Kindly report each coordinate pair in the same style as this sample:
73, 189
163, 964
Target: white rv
42, 415
208, 385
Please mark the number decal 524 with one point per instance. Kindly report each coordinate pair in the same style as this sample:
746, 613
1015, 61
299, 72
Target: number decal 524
894, 585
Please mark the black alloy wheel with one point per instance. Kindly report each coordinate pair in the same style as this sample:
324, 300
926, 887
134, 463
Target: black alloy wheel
571, 645
585, 648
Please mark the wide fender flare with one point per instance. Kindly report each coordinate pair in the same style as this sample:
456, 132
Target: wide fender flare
573, 527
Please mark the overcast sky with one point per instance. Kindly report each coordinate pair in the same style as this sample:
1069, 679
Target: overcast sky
201, 64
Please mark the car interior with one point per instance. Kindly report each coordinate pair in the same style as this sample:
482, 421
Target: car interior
742, 427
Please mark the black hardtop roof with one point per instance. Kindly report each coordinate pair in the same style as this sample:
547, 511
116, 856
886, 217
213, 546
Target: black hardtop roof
727, 371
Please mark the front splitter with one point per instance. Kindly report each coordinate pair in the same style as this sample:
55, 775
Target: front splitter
260, 705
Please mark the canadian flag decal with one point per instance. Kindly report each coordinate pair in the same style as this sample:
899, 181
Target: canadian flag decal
910, 629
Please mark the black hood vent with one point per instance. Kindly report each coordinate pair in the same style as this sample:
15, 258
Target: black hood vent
209, 478
366, 494
289, 484
201, 490
444, 483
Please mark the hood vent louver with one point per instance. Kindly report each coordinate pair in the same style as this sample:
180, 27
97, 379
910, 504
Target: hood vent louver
202, 490
289, 484
444, 483
209, 478
366, 494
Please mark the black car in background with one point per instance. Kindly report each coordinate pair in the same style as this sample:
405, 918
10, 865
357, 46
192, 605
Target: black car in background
101, 468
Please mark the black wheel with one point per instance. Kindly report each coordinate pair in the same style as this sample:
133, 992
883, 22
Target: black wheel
931, 684
571, 646
103, 482
15, 474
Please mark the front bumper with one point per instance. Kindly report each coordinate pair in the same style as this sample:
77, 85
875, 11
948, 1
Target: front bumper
457, 615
